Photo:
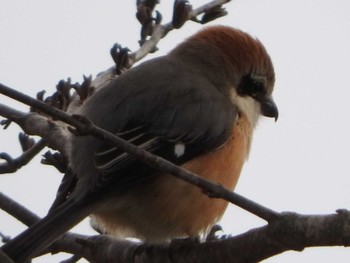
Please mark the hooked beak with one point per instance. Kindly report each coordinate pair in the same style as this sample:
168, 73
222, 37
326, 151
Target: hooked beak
268, 107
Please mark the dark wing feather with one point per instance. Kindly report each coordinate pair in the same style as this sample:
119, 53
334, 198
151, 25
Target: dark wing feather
154, 106
110, 158
66, 187
155, 113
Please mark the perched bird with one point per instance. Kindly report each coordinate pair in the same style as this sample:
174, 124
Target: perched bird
196, 107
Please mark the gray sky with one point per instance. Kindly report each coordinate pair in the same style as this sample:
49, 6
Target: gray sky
298, 164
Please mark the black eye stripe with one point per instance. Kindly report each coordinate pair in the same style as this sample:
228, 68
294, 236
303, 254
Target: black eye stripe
256, 88
251, 87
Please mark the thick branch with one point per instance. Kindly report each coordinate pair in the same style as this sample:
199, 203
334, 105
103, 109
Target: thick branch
287, 231
55, 134
290, 231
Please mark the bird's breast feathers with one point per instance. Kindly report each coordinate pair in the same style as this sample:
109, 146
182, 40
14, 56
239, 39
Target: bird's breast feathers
157, 213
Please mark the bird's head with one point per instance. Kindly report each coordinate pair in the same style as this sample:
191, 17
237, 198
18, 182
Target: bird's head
248, 68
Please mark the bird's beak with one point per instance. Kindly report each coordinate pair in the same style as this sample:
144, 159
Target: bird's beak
268, 107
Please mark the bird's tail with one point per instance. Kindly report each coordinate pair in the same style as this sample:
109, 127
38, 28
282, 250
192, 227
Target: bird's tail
36, 238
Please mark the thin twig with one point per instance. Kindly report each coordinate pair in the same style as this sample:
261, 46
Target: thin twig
208, 6
162, 29
17, 210
149, 45
12, 165
72, 259
210, 188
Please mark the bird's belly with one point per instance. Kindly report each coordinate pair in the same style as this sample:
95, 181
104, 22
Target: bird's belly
168, 207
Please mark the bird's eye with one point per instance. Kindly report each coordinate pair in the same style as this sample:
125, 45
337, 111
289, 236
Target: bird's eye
253, 86
256, 88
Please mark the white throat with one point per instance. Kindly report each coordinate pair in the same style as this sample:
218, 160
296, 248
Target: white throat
247, 106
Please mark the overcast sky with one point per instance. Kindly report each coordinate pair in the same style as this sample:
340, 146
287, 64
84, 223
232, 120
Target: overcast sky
300, 163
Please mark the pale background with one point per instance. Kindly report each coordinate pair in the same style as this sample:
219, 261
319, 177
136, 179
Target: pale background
300, 163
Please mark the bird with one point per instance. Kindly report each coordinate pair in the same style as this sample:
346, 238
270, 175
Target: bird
196, 106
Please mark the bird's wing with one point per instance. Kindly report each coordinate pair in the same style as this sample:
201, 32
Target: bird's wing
178, 118
177, 114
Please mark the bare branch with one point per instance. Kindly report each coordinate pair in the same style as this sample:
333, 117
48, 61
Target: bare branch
285, 231
290, 232
149, 45
56, 135
84, 126
72, 259
11, 115
161, 30
18, 211
208, 7
12, 165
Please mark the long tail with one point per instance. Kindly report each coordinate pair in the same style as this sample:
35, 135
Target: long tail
36, 238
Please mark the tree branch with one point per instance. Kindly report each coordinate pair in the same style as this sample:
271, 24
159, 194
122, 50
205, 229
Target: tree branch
285, 231
159, 31
290, 232
13, 164
84, 126
35, 124
17, 210
56, 135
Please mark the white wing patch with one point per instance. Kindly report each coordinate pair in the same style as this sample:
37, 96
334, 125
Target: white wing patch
179, 149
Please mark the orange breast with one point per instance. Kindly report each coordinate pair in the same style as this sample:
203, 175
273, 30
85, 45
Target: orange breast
223, 166
172, 208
